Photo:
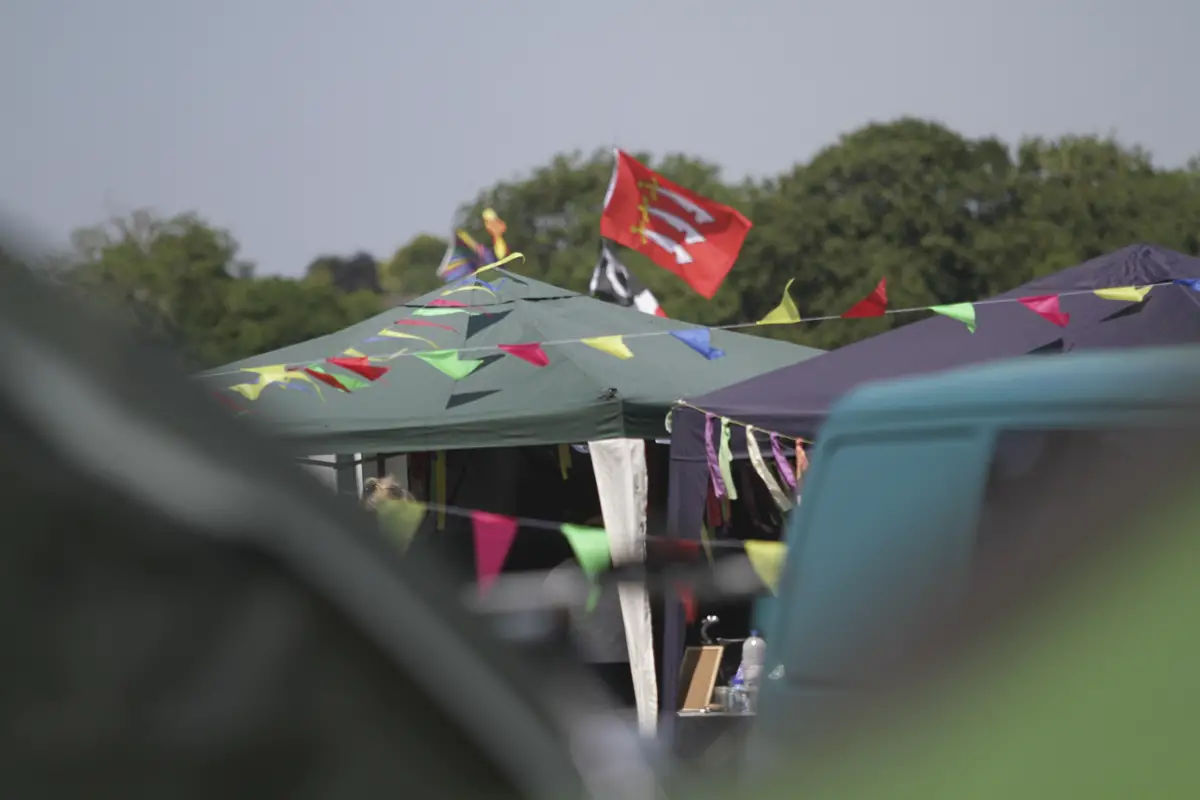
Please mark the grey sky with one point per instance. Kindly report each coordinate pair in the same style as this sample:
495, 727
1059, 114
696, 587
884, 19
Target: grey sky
314, 126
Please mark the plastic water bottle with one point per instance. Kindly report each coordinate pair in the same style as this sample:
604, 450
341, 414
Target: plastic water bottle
754, 656
738, 702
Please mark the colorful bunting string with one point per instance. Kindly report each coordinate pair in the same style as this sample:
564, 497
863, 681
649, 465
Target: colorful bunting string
699, 339
494, 535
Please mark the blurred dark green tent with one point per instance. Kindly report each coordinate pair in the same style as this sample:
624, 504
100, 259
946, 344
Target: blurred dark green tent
583, 394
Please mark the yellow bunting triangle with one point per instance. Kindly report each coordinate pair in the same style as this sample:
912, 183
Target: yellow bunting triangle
500, 263
767, 560
403, 335
401, 519
354, 353
276, 373
471, 288
613, 345
1130, 294
564, 460
439, 487
250, 391
784, 313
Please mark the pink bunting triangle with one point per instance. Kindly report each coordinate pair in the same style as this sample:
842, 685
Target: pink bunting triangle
425, 324
873, 305
447, 303
1046, 306
494, 534
531, 352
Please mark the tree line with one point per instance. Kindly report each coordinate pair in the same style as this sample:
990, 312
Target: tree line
945, 218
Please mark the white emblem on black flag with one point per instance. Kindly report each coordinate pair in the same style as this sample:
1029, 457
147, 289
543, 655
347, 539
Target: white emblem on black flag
613, 282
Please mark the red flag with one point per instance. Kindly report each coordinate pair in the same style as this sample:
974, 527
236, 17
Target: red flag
532, 352
694, 237
440, 302
873, 305
361, 366
494, 534
1046, 307
325, 377
688, 599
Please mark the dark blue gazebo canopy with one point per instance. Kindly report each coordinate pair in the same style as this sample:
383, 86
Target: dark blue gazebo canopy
795, 400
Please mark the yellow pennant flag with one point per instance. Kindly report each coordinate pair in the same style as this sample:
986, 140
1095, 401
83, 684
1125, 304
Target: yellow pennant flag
767, 560
402, 335
506, 259
350, 351
613, 345
250, 391
401, 519
1129, 294
785, 312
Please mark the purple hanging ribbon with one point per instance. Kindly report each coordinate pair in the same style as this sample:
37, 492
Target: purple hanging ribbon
785, 469
714, 466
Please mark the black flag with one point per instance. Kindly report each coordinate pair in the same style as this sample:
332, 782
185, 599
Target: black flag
613, 282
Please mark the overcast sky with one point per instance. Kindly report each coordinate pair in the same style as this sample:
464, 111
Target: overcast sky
330, 126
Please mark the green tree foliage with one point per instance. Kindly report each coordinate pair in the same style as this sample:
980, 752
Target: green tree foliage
180, 281
945, 218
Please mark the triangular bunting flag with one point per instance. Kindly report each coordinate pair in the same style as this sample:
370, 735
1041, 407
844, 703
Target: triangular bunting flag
353, 353
440, 302
448, 362
424, 323
250, 391
401, 518
1046, 307
564, 460
687, 599
590, 546
784, 313
963, 312
873, 305
591, 550
531, 352
457, 289
441, 312
1191, 283
1129, 294
326, 378
767, 560
360, 366
494, 534
613, 345
699, 339
403, 335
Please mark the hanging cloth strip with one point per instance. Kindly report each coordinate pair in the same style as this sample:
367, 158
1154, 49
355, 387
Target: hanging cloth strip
756, 460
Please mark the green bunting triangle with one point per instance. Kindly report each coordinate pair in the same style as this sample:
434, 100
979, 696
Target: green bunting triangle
963, 312
448, 362
591, 550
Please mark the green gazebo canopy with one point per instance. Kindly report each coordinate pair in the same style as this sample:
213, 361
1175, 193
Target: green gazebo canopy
453, 379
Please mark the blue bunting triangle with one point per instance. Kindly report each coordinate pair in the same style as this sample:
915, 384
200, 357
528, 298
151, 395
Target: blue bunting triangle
699, 339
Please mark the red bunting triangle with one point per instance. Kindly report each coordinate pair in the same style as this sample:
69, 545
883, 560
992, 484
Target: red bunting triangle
873, 305
531, 352
658, 312
1046, 306
494, 534
361, 366
447, 303
325, 377
420, 323
688, 599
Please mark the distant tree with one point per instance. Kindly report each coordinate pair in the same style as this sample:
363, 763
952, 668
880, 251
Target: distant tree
358, 273
412, 269
179, 280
